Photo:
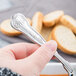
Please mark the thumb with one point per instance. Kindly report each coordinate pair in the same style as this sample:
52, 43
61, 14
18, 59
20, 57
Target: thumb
43, 55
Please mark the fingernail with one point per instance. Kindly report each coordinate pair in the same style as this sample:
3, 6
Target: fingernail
52, 45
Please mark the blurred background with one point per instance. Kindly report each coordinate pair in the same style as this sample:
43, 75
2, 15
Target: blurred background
28, 8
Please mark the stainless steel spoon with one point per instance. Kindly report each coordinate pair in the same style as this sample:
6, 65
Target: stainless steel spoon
19, 22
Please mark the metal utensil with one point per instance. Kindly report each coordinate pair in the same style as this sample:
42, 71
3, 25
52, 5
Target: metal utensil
19, 22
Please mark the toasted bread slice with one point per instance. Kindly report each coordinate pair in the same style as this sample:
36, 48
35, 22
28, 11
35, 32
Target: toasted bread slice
49, 37
6, 29
29, 20
69, 22
37, 21
45, 32
65, 38
52, 18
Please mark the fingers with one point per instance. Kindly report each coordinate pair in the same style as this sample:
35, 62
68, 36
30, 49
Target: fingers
43, 55
21, 50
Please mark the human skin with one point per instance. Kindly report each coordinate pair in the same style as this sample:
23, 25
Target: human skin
27, 59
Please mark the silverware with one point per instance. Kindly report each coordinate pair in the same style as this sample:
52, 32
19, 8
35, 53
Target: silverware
19, 22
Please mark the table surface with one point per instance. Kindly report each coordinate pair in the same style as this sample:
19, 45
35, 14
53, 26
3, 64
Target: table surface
28, 8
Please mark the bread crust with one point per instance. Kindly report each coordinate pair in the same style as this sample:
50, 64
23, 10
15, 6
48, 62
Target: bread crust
9, 34
49, 37
68, 21
29, 20
45, 32
54, 18
59, 45
4, 25
37, 21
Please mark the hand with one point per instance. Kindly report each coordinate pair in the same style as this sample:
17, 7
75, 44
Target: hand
27, 59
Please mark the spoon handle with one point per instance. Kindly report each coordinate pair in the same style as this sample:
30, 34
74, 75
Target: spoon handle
20, 23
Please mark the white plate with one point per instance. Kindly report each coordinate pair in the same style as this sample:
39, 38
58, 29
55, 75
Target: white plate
55, 68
